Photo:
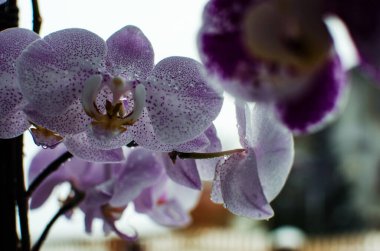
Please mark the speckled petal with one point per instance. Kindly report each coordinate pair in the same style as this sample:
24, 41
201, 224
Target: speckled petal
52, 71
142, 169
145, 136
109, 143
273, 147
183, 172
80, 146
319, 103
12, 41
13, 125
72, 121
241, 187
179, 102
129, 54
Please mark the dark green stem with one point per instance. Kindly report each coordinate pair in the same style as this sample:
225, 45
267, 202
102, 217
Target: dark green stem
22, 201
11, 156
47, 171
69, 205
37, 20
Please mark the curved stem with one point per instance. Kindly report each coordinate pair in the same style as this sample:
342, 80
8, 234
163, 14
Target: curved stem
47, 171
69, 204
192, 155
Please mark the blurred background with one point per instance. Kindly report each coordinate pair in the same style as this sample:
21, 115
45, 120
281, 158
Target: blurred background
331, 200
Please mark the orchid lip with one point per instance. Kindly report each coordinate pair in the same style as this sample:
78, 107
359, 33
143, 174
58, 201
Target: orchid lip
115, 120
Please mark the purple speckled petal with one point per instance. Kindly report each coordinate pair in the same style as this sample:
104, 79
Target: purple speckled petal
241, 187
183, 172
13, 125
109, 143
144, 136
216, 190
206, 167
318, 103
142, 169
52, 71
80, 146
273, 147
72, 121
179, 102
129, 54
12, 41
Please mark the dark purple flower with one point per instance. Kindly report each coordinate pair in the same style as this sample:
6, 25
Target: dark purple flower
362, 18
277, 52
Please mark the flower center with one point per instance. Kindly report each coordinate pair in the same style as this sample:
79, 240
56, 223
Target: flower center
287, 32
115, 119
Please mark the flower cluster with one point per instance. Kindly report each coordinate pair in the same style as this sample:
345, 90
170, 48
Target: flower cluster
281, 52
110, 188
93, 98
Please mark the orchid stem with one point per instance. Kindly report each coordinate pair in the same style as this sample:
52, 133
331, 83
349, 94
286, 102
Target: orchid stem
173, 155
37, 20
46, 172
22, 202
69, 204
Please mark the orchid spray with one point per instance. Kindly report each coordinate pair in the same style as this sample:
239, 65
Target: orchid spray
123, 130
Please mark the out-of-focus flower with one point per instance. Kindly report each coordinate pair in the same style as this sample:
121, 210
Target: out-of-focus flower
274, 51
362, 18
247, 182
13, 121
102, 95
110, 188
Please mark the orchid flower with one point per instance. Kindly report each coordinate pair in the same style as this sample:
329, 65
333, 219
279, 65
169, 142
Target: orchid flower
101, 95
247, 182
278, 52
13, 121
